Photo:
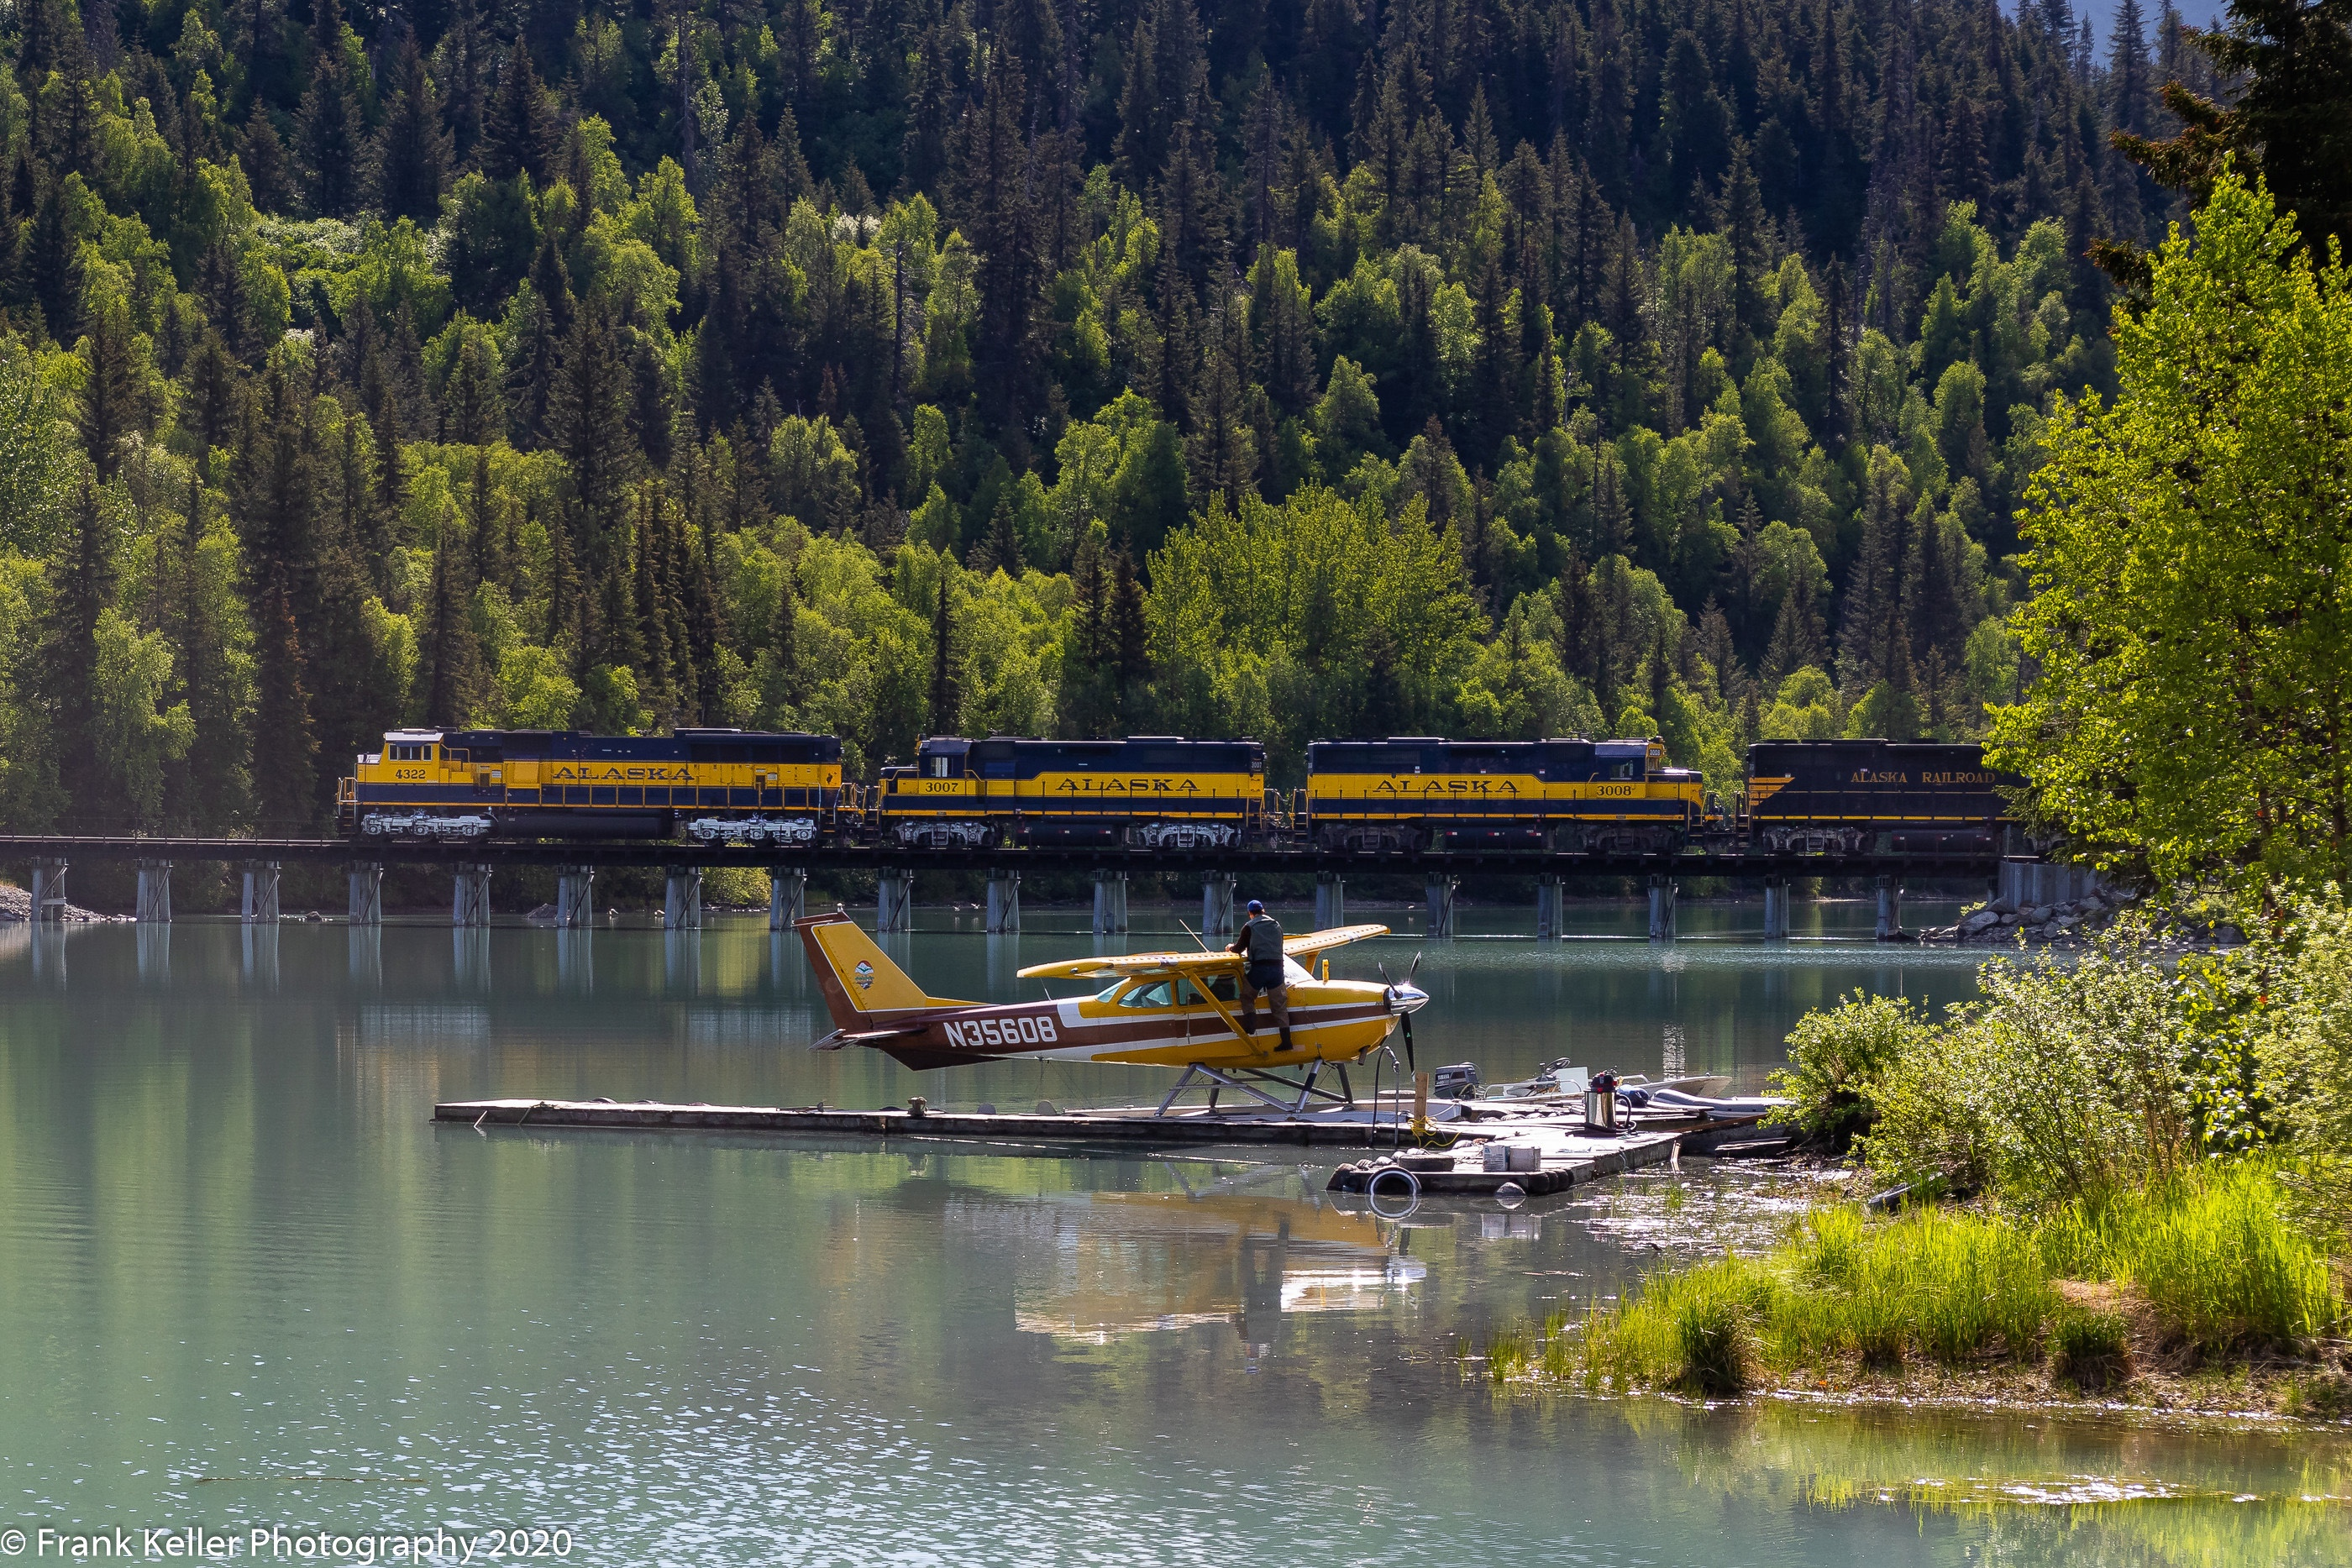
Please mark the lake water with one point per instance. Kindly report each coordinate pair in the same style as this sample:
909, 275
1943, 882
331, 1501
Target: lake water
245, 1282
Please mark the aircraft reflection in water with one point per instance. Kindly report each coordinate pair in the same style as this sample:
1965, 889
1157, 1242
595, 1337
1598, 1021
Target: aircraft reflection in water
1120, 1263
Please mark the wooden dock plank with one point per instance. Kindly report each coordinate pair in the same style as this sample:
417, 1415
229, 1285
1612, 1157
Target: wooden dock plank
1325, 1130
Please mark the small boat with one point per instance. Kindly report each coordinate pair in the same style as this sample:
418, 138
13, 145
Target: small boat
1710, 1122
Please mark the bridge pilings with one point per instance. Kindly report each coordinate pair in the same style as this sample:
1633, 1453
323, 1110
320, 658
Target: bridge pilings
1330, 899
1005, 903
1442, 889
787, 896
1549, 908
1776, 909
894, 903
1217, 922
1661, 907
155, 892
1890, 909
469, 899
48, 890
1110, 902
365, 881
682, 899
259, 907
575, 897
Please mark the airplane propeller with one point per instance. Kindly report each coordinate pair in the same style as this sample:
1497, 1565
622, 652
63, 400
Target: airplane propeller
1405, 1020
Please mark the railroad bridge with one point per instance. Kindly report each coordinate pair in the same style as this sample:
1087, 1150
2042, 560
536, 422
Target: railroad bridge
471, 865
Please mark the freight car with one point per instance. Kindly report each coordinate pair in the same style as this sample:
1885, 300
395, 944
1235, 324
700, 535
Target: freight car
1145, 792
719, 785
1821, 796
1409, 792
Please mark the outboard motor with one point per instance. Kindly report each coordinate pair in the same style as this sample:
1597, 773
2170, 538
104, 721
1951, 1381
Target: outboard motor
1459, 1082
1600, 1104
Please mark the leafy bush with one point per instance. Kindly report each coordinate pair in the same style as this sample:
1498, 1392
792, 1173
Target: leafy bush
2068, 1080
1834, 1057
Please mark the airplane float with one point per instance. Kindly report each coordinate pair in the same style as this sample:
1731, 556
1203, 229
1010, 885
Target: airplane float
1156, 1009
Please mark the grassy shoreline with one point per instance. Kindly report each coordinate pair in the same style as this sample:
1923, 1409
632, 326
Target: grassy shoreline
2198, 1289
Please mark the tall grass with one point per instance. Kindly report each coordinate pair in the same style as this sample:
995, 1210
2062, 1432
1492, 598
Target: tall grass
2218, 1269
2223, 1270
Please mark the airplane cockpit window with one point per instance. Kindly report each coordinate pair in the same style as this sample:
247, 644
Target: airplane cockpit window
1151, 996
1295, 974
1222, 986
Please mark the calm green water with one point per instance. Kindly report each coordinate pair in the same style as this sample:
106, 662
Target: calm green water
235, 1254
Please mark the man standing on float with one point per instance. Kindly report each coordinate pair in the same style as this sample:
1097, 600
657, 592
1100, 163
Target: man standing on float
1260, 946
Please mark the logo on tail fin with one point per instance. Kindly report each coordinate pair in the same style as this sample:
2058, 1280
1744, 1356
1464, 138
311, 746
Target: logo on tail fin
865, 976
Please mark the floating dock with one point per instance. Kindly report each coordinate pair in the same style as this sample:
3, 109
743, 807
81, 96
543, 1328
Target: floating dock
1550, 1157
1566, 1156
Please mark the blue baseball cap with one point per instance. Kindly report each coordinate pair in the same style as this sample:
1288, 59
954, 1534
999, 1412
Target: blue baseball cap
1256, 907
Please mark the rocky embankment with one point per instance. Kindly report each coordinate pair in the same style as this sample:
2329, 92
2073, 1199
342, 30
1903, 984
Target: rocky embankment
17, 904
2002, 923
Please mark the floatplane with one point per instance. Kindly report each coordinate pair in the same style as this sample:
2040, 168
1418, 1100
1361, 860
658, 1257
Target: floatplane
1155, 1009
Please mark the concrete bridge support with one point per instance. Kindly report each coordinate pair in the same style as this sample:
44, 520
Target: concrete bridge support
1005, 903
575, 897
470, 901
1890, 909
894, 904
1441, 905
155, 892
1217, 920
2024, 883
1661, 907
1776, 909
682, 899
787, 896
260, 904
366, 881
1330, 899
1110, 902
1549, 907
49, 891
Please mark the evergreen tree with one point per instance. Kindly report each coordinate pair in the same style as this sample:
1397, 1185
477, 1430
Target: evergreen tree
411, 155
454, 680
947, 695
330, 130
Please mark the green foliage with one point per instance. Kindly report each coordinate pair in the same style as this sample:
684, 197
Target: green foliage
2188, 545
2067, 1080
1834, 1059
1587, 435
2091, 1350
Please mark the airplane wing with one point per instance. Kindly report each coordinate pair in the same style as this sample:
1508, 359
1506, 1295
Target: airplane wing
1105, 966
1303, 949
1109, 966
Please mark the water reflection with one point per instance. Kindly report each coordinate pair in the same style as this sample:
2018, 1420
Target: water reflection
1097, 1265
234, 1245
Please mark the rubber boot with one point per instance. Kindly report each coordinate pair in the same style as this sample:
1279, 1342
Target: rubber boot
1286, 1037
1249, 1020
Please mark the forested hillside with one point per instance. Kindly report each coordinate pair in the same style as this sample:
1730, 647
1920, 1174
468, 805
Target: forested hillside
1485, 367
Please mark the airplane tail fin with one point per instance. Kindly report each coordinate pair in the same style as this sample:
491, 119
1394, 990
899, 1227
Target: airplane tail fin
861, 985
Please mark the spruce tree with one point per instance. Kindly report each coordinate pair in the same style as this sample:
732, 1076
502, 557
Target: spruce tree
411, 155
946, 696
454, 680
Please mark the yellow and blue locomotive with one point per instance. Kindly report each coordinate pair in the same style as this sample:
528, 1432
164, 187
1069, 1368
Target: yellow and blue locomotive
1145, 792
718, 786
1408, 793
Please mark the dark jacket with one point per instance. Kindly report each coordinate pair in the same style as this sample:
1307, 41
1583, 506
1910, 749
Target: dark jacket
1260, 943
